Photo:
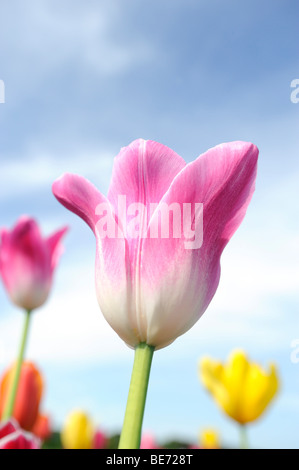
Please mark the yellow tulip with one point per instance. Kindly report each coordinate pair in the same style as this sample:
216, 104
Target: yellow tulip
78, 431
209, 439
242, 389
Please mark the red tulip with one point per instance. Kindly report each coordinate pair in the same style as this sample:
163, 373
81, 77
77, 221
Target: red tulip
42, 427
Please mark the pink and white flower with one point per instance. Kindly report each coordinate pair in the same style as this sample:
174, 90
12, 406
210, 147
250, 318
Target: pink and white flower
28, 261
153, 289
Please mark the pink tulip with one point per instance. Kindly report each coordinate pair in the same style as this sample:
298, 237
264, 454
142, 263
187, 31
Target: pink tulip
28, 261
13, 437
153, 288
100, 440
148, 441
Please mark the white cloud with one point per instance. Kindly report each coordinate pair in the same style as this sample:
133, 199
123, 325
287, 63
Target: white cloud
55, 35
37, 171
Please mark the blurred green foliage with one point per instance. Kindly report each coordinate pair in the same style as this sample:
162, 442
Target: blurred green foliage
54, 442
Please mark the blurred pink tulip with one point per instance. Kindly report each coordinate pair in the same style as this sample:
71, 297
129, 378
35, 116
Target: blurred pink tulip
151, 288
148, 441
13, 437
100, 440
28, 261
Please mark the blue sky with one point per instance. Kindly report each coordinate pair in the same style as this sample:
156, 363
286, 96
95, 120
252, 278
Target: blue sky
82, 80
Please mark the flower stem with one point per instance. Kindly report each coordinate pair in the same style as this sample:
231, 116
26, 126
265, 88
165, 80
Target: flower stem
243, 437
9, 406
131, 431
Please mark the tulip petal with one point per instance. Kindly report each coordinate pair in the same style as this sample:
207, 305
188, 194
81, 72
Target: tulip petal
42, 427
79, 196
20, 440
8, 427
235, 372
258, 390
112, 272
143, 171
234, 380
55, 247
12, 437
176, 279
211, 375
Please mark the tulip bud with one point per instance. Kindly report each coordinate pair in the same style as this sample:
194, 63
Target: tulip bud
78, 431
148, 441
42, 427
100, 440
28, 396
27, 262
209, 439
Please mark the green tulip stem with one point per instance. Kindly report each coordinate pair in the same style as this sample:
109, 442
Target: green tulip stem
131, 432
243, 437
9, 406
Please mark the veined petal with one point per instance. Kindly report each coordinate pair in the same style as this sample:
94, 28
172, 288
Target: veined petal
178, 282
143, 171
